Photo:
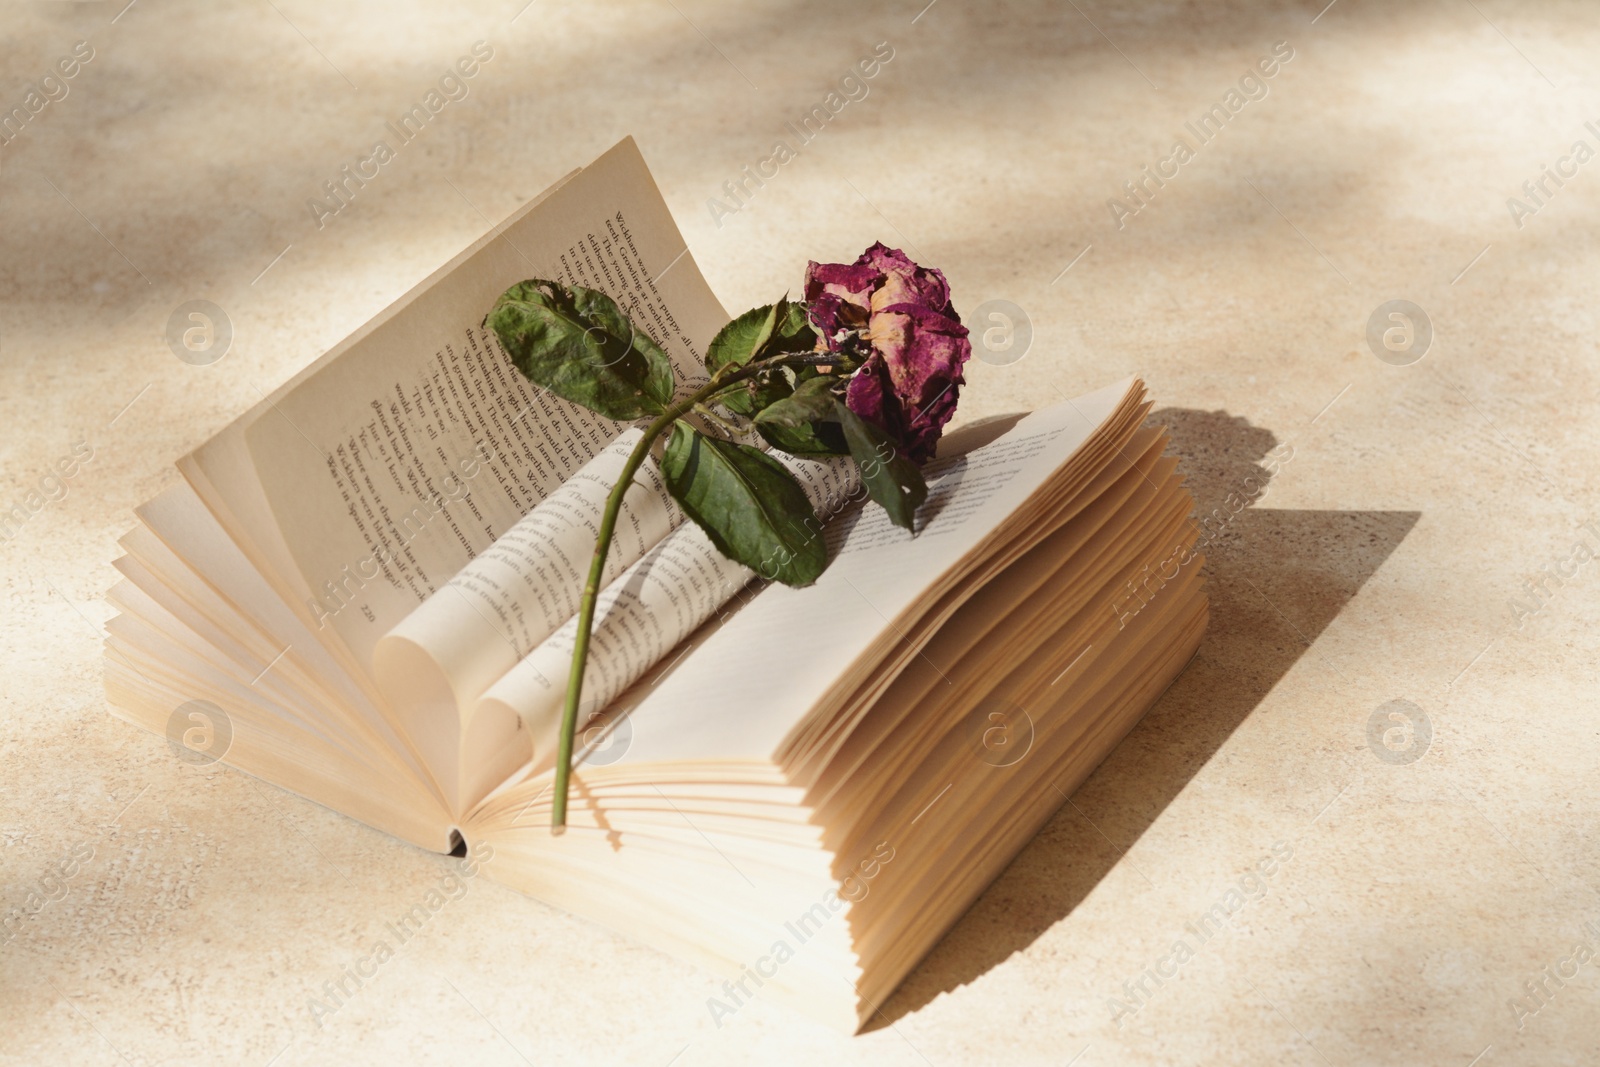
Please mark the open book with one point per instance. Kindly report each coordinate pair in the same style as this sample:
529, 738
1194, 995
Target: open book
363, 589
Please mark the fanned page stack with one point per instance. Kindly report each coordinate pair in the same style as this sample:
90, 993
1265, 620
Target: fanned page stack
367, 583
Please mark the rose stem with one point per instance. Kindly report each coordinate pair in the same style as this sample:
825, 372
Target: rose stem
726, 376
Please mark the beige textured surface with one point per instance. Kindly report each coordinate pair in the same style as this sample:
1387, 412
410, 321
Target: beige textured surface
1421, 896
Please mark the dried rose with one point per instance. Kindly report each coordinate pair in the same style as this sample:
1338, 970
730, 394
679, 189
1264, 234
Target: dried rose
896, 316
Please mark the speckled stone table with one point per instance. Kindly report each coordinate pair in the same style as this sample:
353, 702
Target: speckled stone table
1366, 812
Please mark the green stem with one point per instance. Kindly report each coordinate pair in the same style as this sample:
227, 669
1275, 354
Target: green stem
716, 420
725, 377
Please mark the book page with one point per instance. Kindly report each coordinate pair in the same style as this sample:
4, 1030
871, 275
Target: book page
415, 445
754, 680
645, 613
436, 663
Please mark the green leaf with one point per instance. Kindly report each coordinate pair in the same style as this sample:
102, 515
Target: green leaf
811, 400
793, 330
748, 503
891, 479
811, 439
750, 396
780, 327
578, 344
803, 423
762, 331
742, 339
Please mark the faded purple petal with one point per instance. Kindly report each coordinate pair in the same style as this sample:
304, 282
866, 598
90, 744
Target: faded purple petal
918, 345
904, 281
910, 383
839, 296
868, 390
834, 318
840, 278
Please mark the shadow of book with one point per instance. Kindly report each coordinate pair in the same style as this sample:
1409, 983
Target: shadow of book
1276, 579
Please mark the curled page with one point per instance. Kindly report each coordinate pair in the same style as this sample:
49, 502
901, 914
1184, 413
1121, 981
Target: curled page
437, 661
509, 599
640, 617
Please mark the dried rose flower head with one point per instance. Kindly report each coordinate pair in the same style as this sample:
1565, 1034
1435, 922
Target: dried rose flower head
896, 316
